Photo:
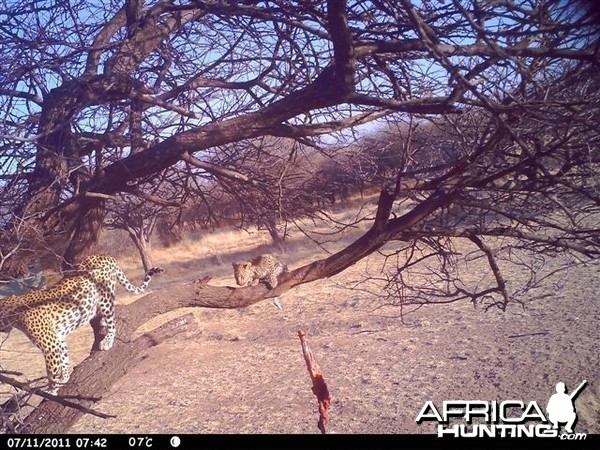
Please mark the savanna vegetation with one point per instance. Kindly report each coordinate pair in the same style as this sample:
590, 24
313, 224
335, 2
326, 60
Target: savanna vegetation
472, 121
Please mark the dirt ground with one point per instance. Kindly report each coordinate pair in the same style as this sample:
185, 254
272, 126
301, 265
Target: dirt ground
243, 370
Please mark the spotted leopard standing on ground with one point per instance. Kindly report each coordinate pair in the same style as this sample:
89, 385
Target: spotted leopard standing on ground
262, 268
47, 316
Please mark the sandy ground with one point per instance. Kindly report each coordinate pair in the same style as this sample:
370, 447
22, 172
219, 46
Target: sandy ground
243, 370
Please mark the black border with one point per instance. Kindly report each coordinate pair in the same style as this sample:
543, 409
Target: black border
285, 441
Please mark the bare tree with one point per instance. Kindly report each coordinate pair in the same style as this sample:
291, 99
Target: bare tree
139, 214
511, 87
139, 225
211, 74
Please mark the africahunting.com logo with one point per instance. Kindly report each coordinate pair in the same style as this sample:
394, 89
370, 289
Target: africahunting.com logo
509, 418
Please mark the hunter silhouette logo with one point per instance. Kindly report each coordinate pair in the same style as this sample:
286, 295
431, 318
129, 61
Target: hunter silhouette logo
561, 408
507, 418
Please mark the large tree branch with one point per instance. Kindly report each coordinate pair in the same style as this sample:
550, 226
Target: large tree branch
22, 94
51, 417
218, 170
418, 106
150, 32
265, 121
300, 131
101, 41
406, 46
579, 243
344, 54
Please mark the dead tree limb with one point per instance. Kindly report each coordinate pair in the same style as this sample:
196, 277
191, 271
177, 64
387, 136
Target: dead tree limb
60, 399
11, 410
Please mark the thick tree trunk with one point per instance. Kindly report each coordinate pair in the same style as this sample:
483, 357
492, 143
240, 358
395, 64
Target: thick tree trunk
271, 225
70, 227
53, 417
74, 224
86, 226
144, 247
142, 242
140, 231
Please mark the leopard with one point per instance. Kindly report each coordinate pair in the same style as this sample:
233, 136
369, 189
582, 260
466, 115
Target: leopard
48, 316
262, 268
